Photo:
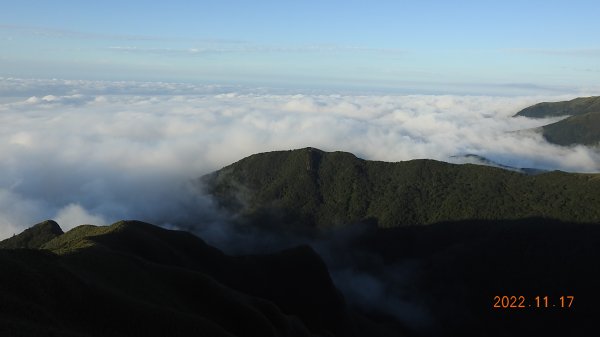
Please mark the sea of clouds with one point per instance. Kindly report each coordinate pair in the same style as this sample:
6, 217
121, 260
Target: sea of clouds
97, 152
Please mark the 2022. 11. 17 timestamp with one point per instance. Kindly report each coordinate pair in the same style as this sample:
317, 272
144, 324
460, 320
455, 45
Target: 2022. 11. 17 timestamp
541, 302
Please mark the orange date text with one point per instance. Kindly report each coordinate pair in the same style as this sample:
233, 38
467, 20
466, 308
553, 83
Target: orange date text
524, 302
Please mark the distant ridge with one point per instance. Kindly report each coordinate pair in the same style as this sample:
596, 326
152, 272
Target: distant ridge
574, 107
581, 127
470, 158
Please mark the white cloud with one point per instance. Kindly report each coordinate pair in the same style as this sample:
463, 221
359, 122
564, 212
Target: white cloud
81, 153
73, 215
17, 212
37, 89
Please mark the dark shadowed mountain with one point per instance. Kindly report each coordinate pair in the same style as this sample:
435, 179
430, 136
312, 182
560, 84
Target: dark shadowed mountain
135, 279
328, 189
450, 273
582, 125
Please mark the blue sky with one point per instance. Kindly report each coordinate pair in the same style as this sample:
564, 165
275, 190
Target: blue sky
407, 46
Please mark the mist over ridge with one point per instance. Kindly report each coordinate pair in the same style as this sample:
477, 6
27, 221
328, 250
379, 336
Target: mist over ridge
96, 152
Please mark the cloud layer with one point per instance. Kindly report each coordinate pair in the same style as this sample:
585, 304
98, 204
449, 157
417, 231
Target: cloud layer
97, 152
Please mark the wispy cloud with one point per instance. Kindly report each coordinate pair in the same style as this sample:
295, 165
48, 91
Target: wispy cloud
58, 33
50, 32
581, 52
251, 48
39, 88
199, 45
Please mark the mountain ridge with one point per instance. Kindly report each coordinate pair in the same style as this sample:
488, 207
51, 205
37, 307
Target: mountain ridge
35, 236
328, 189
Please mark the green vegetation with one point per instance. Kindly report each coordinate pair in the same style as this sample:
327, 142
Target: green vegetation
577, 106
312, 187
580, 129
